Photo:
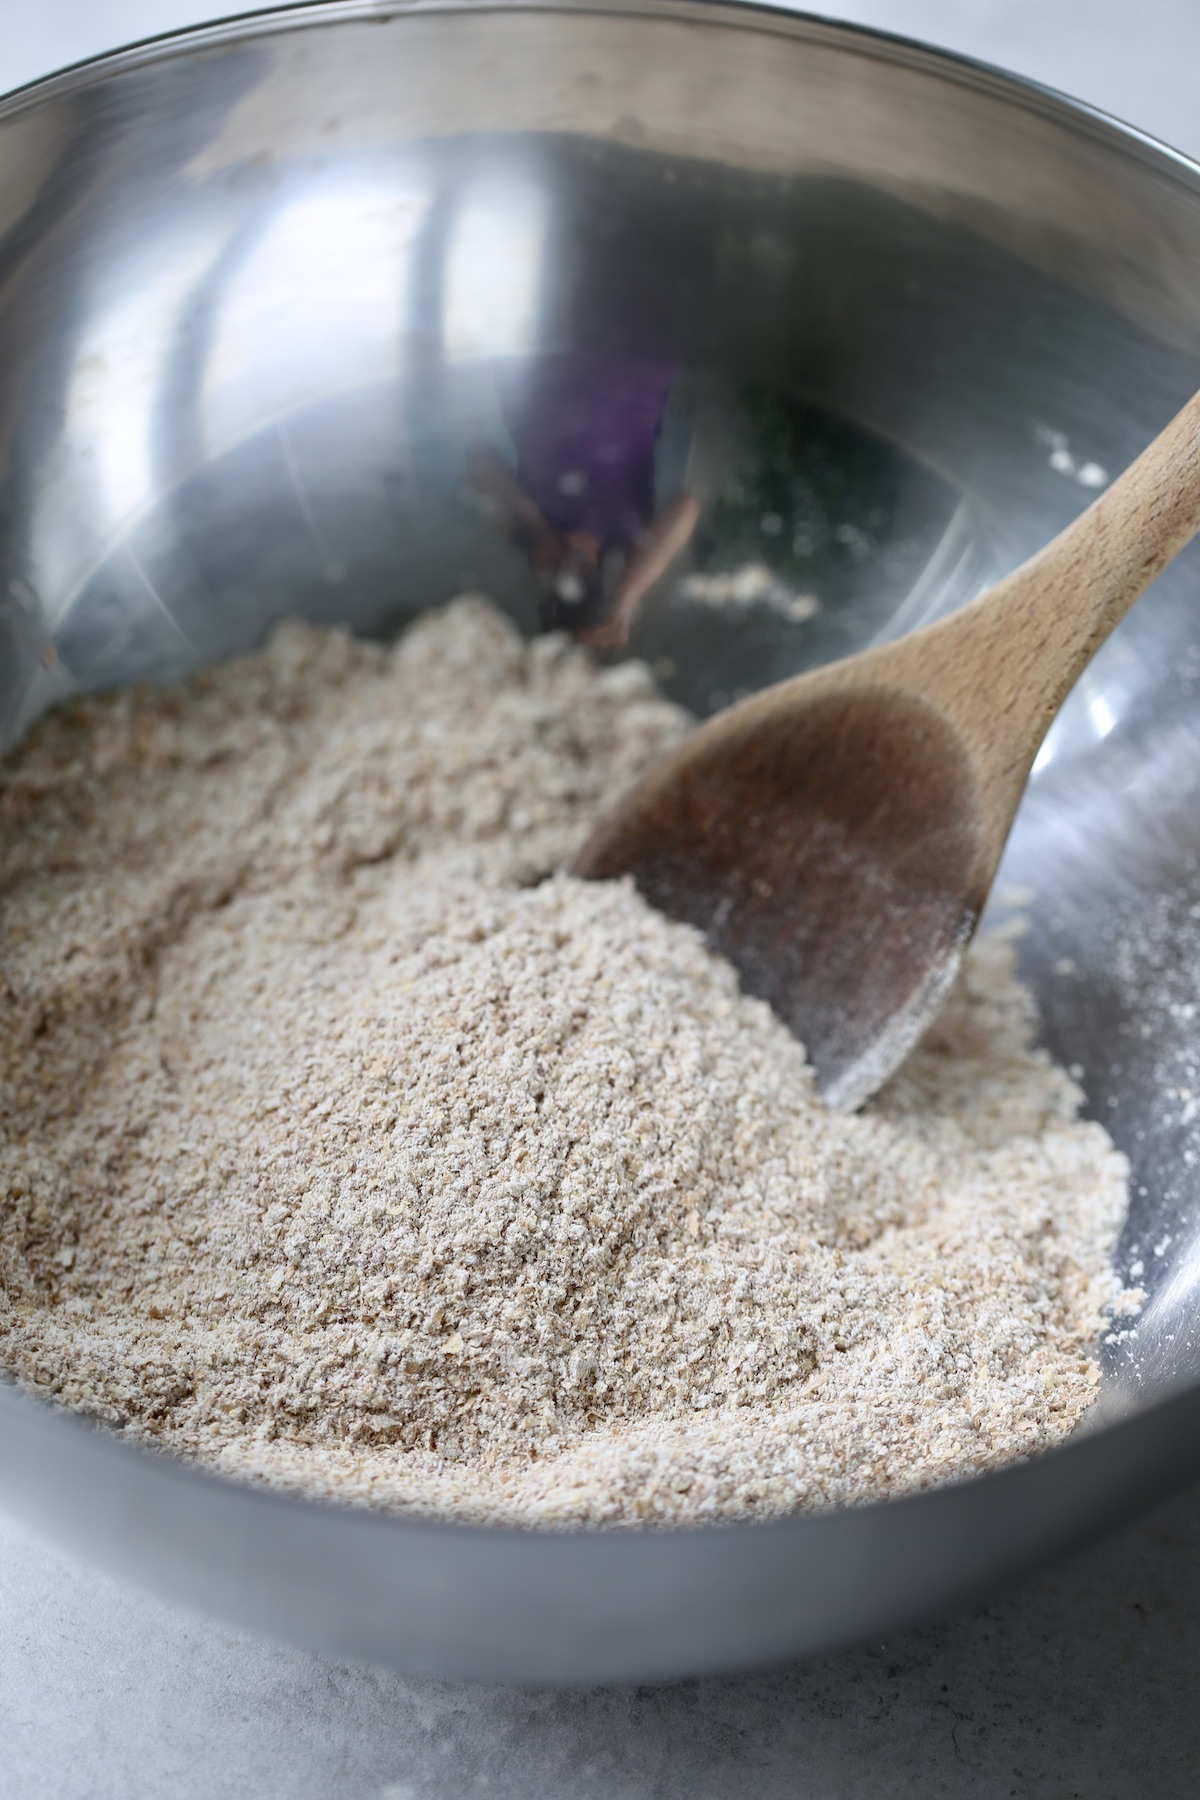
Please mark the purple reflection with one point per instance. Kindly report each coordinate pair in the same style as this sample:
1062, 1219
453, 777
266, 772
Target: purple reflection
581, 501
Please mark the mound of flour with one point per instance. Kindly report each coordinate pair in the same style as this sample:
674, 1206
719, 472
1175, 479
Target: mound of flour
346, 1144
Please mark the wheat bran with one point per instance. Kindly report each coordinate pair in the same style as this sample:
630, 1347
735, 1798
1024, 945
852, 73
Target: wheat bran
346, 1145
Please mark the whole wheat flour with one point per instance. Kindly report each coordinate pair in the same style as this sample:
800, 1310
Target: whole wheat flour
347, 1145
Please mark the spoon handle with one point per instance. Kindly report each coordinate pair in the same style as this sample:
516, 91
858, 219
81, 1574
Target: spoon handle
1002, 666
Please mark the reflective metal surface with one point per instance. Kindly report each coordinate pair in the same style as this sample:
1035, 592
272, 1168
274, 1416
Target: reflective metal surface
273, 294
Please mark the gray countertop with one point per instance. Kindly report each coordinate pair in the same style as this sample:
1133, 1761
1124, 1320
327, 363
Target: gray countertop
1079, 1685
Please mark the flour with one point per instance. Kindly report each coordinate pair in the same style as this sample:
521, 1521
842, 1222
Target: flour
348, 1145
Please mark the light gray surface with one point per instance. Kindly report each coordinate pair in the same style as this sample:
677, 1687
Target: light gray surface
1080, 1685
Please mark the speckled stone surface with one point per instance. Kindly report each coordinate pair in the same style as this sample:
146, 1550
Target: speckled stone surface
1078, 1687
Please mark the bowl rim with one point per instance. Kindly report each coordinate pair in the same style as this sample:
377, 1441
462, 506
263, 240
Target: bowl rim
754, 16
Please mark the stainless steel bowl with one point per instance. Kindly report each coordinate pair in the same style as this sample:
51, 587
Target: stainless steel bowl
252, 282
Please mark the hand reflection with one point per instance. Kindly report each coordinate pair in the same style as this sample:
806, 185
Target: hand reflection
580, 502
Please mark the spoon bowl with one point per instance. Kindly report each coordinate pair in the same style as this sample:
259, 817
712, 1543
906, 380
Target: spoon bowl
830, 851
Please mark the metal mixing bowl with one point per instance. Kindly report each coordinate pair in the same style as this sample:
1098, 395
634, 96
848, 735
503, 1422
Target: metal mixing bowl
255, 281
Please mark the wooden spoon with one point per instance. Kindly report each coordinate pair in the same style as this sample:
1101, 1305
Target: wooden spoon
836, 835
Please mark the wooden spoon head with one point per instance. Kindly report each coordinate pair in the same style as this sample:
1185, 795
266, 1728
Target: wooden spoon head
829, 847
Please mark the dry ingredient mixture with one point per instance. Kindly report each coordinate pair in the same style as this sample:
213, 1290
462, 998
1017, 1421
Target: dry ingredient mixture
348, 1145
